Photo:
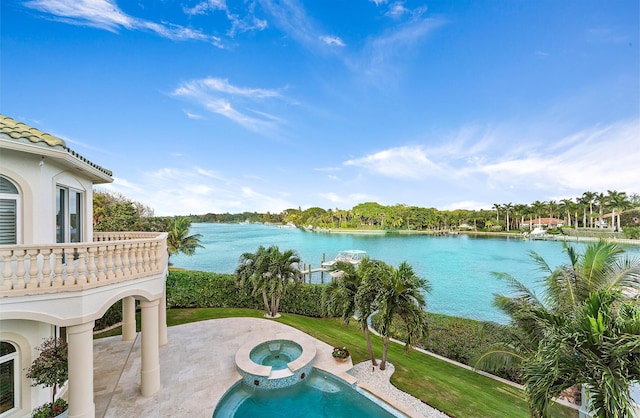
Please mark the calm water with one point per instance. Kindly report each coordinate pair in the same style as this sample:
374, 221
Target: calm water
459, 267
318, 396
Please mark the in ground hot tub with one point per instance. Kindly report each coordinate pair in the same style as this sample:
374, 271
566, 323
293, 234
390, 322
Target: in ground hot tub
276, 353
274, 364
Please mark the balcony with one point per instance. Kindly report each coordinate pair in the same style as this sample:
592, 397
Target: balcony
113, 257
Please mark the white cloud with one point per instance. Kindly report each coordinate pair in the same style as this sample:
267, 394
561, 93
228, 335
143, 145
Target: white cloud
332, 40
397, 9
466, 204
409, 162
596, 158
205, 6
378, 2
382, 55
105, 14
173, 191
332, 197
487, 164
216, 95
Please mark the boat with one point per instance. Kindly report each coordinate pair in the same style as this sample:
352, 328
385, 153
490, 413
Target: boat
349, 256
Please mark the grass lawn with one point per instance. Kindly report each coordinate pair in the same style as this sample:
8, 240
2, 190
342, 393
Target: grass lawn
451, 389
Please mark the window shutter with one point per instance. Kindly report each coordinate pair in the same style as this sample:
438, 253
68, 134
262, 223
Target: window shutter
8, 218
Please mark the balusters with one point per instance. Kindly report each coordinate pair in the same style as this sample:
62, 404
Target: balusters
116, 257
118, 261
110, 264
133, 259
33, 268
102, 250
126, 271
145, 257
7, 272
58, 268
91, 264
82, 266
46, 268
70, 277
20, 271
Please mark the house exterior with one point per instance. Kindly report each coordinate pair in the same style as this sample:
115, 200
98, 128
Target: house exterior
57, 276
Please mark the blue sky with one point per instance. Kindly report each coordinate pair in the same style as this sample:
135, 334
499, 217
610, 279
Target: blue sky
231, 106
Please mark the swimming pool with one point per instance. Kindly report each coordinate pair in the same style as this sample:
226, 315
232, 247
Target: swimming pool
319, 395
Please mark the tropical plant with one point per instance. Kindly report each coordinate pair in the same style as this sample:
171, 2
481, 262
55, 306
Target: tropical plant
399, 295
599, 347
269, 271
179, 240
347, 297
601, 267
50, 368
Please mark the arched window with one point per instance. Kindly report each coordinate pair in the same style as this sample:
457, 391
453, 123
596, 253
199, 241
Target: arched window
8, 377
9, 199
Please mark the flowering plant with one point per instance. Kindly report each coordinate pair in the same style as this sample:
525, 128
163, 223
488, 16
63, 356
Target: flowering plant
340, 352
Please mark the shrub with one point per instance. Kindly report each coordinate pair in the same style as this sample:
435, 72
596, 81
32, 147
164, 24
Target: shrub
46, 411
50, 368
459, 339
199, 289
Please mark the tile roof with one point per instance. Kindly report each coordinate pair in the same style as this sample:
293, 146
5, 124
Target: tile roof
18, 131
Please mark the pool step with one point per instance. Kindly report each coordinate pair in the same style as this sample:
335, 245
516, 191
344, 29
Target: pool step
278, 374
321, 383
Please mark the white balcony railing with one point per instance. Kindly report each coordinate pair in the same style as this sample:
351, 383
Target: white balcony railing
113, 257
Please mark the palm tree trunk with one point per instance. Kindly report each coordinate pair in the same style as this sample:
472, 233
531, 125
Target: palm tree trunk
266, 301
277, 306
273, 304
385, 347
367, 335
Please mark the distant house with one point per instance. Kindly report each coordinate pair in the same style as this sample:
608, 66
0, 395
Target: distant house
57, 276
542, 222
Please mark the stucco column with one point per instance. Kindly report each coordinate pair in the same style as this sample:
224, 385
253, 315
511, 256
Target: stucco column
80, 361
128, 318
162, 319
150, 372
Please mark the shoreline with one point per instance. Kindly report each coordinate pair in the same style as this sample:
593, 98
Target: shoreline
549, 237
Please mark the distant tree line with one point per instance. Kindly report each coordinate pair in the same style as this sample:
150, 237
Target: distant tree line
585, 211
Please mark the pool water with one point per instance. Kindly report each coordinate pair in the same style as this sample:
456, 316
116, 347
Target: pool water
320, 395
276, 353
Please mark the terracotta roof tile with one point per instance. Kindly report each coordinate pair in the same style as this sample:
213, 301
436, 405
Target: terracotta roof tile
19, 131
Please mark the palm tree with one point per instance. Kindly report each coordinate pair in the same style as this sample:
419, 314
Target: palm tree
619, 202
269, 271
601, 266
537, 207
601, 198
347, 299
507, 208
497, 207
588, 198
399, 295
179, 240
568, 205
598, 347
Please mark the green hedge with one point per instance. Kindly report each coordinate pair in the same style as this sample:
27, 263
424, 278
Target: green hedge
459, 339
199, 289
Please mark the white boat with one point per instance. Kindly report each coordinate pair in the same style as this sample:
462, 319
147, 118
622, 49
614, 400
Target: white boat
348, 256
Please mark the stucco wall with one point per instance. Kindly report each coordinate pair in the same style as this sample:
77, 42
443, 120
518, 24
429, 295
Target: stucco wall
36, 179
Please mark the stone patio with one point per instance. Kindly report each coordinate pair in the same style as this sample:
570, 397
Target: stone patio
197, 368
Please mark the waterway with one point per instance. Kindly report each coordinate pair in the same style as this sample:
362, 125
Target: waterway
459, 267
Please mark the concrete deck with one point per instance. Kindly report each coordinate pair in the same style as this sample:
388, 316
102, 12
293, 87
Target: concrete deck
197, 367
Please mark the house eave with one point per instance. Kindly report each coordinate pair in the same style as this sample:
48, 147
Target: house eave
66, 156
